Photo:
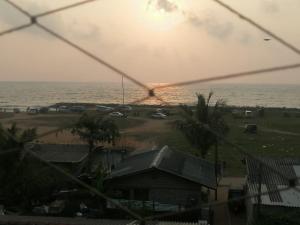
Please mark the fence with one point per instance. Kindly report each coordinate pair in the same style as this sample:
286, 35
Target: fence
180, 223
150, 93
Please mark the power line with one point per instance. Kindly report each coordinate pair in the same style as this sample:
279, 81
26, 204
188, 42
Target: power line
63, 8
258, 26
18, 28
19, 8
92, 56
84, 185
151, 94
232, 75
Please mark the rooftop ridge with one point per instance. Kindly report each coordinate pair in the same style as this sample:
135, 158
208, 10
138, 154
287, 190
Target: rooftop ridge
155, 163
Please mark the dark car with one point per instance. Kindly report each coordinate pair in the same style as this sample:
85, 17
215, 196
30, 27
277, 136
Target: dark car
250, 128
78, 109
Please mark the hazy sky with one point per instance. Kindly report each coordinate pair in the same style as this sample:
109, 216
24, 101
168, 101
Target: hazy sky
152, 40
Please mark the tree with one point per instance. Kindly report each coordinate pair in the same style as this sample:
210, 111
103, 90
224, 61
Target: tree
95, 130
13, 136
11, 167
197, 123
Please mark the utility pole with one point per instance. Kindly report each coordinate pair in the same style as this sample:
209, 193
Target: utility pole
123, 90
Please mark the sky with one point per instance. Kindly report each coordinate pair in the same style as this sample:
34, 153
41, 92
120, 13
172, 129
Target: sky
157, 41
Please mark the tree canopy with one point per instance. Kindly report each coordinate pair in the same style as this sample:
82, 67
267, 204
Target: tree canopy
93, 130
199, 120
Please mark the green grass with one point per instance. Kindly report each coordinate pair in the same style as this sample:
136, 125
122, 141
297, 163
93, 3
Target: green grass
260, 144
124, 123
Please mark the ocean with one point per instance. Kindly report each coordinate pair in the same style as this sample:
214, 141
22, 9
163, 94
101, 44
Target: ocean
23, 94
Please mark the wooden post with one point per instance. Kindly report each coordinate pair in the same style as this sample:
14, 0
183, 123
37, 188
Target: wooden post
259, 190
216, 168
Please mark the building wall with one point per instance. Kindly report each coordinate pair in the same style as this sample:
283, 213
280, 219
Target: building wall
162, 187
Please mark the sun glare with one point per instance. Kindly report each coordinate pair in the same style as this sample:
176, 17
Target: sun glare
162, 17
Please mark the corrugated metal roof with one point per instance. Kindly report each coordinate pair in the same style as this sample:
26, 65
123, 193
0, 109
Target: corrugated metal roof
61, 153
272, 182
177, 163
39, 220
289, 197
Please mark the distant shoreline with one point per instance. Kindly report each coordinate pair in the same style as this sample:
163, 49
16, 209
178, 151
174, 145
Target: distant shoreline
92, 106
24, 94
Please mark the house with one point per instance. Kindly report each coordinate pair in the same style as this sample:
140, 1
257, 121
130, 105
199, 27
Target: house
70, 156
74, 156
42, 220
163, 180
277, 199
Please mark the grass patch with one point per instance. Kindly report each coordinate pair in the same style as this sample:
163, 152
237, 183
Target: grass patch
125, 123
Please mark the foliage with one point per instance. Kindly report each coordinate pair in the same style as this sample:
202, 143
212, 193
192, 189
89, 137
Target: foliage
15, 137
30, 181
197, 123
13, 170
100, 175
278, 219
93, 129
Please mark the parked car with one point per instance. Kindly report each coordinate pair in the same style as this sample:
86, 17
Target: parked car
124, 108
116, 114
63, 108
32, 110
78, 108
103, 108
16, 110
159, 116
250, 128
163, 111
44, 110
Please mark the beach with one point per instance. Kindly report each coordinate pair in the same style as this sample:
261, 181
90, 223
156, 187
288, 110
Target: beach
25, 94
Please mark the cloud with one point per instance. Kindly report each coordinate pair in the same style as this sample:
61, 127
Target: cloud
270, 6
165, 5
75, 27
212, 25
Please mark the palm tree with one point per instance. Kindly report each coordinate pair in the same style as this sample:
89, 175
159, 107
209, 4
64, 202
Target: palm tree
11, 163
199, 124
95, 130
15, 137
195, 123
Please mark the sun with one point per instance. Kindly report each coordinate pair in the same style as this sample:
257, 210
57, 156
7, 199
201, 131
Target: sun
162, 15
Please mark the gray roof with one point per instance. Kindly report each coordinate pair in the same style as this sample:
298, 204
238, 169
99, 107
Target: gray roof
272, 182
173, 162
61, 153
41, 220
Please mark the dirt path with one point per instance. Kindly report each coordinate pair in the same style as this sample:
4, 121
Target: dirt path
149, 126
279, 131
269, 130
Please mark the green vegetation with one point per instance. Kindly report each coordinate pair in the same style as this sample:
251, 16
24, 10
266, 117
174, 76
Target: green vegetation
194, 124
271, 139
278, 135
94, 129
125, 123
17, 171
